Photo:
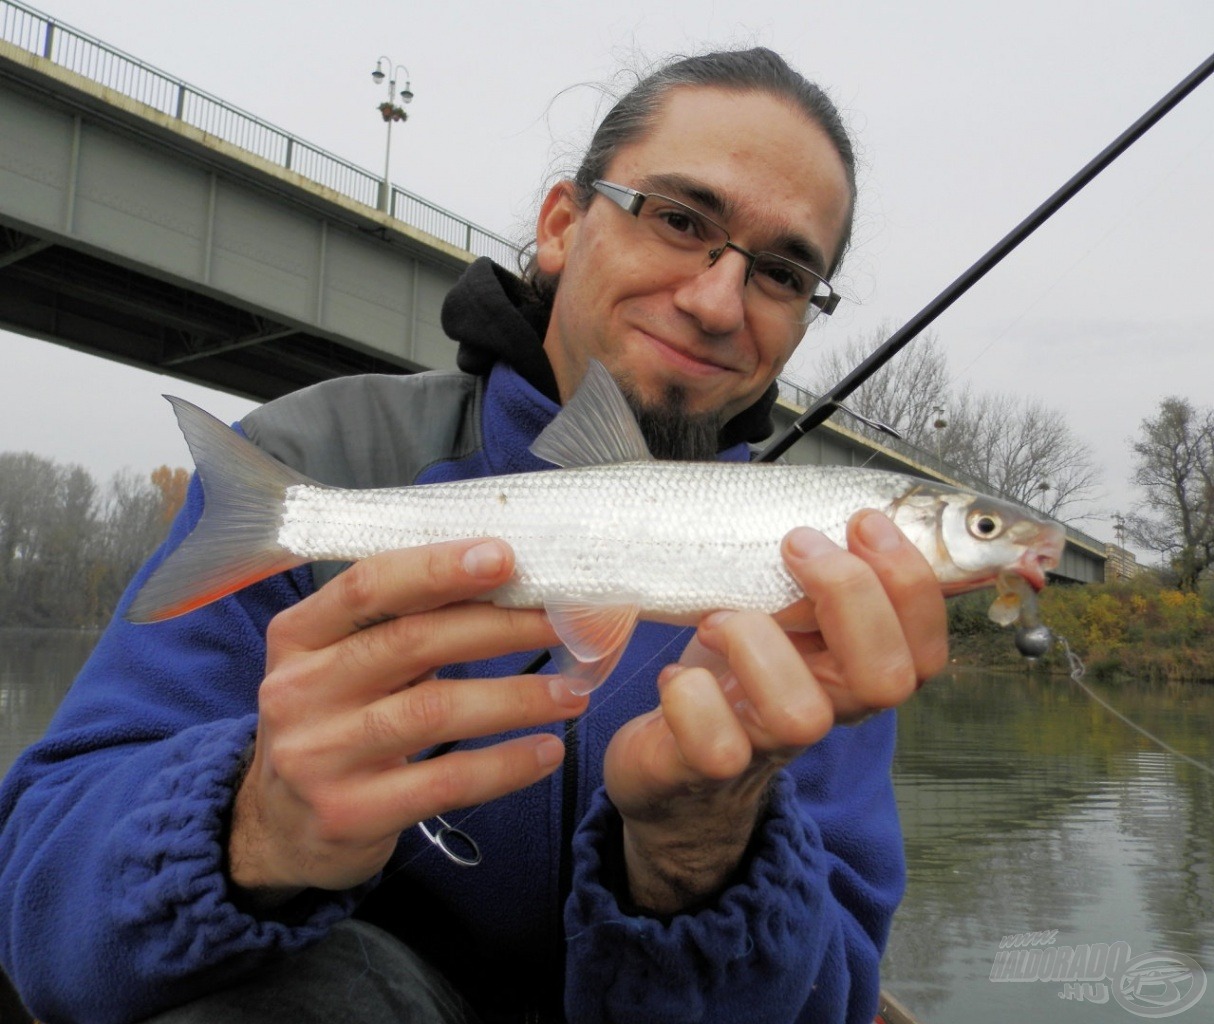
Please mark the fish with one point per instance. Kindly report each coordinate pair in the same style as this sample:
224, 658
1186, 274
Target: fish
608, 537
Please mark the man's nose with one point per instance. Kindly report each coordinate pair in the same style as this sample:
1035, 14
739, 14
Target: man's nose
716, 296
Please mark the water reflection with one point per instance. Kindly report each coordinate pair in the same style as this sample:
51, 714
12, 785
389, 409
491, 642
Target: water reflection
1026, 807
36, 668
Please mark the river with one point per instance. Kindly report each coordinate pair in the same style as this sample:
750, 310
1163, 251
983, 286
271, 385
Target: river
1027, 808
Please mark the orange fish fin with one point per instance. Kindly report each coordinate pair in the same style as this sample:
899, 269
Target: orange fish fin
594, 637
235, 543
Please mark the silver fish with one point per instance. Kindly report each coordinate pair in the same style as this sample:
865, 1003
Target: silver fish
611, 537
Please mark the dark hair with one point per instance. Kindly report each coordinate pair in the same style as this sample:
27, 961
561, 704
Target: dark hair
754, 70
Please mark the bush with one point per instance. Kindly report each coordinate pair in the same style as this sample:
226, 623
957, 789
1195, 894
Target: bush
1136, 629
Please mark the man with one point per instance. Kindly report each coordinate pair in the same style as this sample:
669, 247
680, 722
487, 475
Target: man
221, 792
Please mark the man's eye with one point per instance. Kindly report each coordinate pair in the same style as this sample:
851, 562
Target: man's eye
783, 277
680, 222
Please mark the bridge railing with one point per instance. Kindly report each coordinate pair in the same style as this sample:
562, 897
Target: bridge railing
793, 393
41, 34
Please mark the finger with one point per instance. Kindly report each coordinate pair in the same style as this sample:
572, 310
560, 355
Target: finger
696, 655
709, 740
392, 801
440, 710
912, 586
770, 688
857, 620
382, 659
392, 584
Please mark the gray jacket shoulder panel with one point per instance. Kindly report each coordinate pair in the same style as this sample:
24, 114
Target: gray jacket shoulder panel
376, 430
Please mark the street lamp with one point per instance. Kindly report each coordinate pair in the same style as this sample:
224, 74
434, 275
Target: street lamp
1043, 487
391, 112
939, 423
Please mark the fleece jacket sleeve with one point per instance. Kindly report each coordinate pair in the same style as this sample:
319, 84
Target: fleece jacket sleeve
796, 938
113, 897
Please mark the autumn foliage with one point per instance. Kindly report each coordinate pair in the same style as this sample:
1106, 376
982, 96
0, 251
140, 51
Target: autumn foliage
68, 547
1138, 630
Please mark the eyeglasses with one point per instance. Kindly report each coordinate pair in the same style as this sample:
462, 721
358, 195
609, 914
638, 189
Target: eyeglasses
783, 288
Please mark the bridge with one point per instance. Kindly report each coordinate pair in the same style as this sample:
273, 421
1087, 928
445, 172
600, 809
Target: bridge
149, 222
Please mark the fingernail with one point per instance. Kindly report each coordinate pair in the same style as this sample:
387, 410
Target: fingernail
563, 693
668, 673
878, 532
485, 560
717, 619
549, 751
805, 542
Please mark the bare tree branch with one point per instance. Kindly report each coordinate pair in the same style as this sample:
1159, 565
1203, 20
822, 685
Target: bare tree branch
1174, 457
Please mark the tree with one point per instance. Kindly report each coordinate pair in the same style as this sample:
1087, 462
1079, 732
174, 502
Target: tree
904, 393
67, 548
172, 484
1174, 466
1023, 448
1011, 446
47, 524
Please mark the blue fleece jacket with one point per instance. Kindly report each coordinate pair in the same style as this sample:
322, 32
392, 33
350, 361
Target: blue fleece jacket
114, 903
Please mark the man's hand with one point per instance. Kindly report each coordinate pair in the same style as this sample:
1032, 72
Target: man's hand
349, 695
690, 777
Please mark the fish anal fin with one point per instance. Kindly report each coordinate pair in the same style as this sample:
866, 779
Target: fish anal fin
595, 427
584, 676
594, 636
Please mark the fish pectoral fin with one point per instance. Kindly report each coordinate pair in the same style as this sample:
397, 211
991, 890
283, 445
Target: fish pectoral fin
594, 637
595, 427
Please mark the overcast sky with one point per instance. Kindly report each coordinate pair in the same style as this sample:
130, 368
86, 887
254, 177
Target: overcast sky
967, 114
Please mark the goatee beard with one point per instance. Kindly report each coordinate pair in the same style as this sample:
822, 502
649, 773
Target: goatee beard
670, 430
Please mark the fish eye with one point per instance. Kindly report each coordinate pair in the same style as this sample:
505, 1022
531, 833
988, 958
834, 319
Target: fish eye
984, 525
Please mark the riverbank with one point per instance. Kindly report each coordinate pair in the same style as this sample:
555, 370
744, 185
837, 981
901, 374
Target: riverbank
1121, 631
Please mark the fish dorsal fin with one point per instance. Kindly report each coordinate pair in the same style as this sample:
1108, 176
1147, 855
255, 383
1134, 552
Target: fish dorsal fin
594, 637
595, 427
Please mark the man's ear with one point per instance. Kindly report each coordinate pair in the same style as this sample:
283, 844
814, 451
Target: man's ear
556, 228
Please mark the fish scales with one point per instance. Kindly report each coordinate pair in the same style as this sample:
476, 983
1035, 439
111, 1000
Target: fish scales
674, 538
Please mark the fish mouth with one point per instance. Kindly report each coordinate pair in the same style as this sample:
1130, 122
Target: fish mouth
1042, 555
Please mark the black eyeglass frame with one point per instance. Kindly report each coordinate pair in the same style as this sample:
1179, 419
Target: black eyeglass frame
631, 201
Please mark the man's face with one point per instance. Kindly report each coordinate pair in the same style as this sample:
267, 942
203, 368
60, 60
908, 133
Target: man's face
774, 178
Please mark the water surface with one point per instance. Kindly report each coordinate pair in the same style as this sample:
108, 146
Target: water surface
1026, 807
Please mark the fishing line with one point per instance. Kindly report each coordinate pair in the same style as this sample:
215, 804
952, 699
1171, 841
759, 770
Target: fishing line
1077, 673
456, 829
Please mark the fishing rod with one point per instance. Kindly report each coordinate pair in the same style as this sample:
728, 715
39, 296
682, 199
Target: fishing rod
829, 403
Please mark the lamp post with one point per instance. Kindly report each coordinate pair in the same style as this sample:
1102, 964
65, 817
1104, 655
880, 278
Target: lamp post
391, 112
939, 423
1043, 487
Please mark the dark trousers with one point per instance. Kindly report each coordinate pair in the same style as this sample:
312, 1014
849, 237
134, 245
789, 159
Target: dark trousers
359, 973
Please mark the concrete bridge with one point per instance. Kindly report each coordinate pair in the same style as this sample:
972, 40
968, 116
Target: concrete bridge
146, 221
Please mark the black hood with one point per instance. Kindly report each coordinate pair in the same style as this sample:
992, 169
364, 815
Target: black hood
491, 315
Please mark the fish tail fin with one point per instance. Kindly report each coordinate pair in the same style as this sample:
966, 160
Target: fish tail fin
235, 543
